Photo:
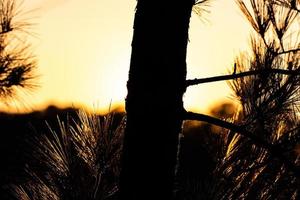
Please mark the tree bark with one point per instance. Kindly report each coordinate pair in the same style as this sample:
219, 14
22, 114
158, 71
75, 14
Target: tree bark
154, 103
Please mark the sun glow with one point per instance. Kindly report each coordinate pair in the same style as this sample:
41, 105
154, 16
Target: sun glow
83, 50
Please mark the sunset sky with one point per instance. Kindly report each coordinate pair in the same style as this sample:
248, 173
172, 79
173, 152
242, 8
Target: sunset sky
83, 51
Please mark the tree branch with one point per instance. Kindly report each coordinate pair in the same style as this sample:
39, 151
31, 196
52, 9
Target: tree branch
240, 75
289, 51
275, 150
227, 125
288, 5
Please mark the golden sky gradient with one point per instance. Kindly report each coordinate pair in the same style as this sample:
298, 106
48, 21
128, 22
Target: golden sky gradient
83, 51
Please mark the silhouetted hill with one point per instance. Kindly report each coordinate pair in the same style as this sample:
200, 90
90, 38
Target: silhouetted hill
18, 129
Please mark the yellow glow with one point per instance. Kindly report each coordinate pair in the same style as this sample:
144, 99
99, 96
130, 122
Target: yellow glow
83, 49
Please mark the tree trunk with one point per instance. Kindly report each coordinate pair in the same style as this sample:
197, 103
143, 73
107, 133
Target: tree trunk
154, 101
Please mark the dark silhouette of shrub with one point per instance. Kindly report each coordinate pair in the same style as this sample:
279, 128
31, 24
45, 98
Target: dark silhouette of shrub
80, 161
17, 64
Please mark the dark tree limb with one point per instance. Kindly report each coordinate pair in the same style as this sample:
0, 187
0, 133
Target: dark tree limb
275, 150
156, 84
227, 125
240, 75
289, 51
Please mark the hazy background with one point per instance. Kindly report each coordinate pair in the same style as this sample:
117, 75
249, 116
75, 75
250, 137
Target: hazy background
83, 50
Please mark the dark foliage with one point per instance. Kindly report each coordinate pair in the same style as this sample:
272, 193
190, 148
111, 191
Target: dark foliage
17, 64
73, 156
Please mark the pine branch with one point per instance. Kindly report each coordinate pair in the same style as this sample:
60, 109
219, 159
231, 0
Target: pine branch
289, 51
240, 75
275, 150
227, 125
292, 4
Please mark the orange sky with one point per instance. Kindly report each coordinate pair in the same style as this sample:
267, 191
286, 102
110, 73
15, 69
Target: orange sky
83, 50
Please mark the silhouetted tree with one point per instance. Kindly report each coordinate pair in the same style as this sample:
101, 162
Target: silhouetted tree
266, 83
16, 62
154, 103
257, 154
